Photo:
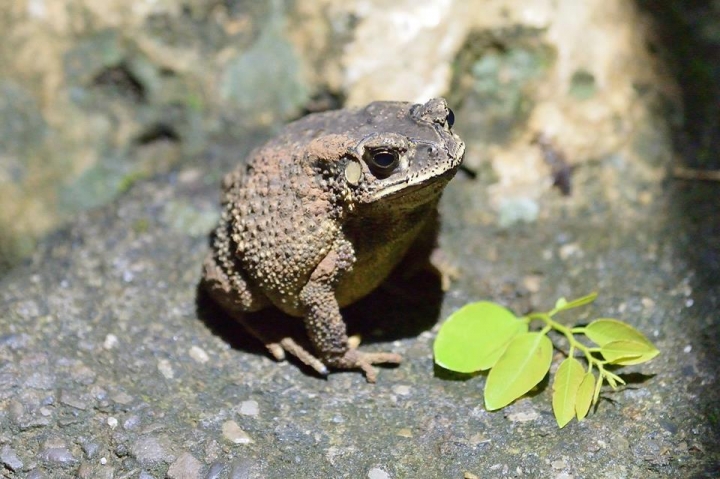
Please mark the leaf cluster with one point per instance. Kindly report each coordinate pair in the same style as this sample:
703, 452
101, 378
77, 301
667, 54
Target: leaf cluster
485, 336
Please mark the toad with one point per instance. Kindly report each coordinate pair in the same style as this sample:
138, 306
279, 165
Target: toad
320, 215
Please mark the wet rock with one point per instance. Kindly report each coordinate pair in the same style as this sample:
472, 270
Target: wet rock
249, 408
132, 422
59, 456
232, 432
90, 449
377, 473
241, 469
70, 399
9, 458
151, 451
94, 471
215, 471
36, 474
142, 90
198, 354
185, 467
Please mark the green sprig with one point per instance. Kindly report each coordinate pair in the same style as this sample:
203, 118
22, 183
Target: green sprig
485, 336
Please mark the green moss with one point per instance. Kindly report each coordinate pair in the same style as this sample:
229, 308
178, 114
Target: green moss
185, 218
141, 225
582, 85
266, 79
497, 79
127, 181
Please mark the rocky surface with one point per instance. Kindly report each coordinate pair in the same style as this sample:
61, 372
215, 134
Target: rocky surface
113, 364
93, 99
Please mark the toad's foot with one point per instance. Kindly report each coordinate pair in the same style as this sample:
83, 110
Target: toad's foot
447, 270
289, 345
354, 359
279, 347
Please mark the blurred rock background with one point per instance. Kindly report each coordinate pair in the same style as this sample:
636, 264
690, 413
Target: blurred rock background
95, 96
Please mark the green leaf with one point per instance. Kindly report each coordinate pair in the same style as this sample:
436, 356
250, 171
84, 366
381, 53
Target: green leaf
584, 396
596, 393
625, 353
568, 378
475, 336
620, 343
606, 330
523, 364
562, 304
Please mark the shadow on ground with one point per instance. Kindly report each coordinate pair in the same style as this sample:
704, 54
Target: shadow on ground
684, 31
393, 312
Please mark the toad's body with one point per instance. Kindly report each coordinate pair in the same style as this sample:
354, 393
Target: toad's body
320, 215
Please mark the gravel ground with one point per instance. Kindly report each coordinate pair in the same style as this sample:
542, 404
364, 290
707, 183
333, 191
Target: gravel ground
113, 365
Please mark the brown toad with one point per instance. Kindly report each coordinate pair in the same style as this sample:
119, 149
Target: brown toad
319, 216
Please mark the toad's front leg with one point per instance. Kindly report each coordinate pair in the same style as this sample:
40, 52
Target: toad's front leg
325, 325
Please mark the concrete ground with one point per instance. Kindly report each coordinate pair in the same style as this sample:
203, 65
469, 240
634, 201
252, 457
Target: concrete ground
113, 365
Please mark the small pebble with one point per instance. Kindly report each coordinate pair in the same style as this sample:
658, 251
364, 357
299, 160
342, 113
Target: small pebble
568, 250
132, 422
70, 399
249, 408
199, 355
234, 434
240, 469
91, 448
532, 282
112, 422
110, 341
402, 390
151, 451
10, 459
524, 416
215, 471
57, 455
377, 473
122, 398
166, 369
185, 467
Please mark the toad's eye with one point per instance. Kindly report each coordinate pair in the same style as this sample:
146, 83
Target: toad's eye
450, 118
382, 162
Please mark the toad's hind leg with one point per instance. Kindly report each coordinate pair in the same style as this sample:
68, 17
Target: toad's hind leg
325, 324
327, 332
232, 292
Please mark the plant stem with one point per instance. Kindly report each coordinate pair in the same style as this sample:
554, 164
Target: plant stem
587, 351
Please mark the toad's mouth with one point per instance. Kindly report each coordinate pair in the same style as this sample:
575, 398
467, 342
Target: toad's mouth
416, 191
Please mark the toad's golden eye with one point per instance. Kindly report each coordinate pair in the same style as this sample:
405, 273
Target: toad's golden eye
382, 162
